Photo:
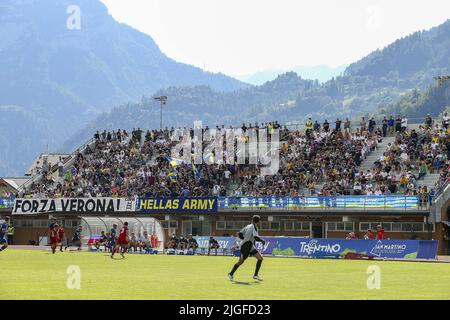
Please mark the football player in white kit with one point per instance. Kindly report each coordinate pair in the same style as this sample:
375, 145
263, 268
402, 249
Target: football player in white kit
249, 236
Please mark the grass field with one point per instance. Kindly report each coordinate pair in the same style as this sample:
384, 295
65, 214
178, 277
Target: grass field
40, 275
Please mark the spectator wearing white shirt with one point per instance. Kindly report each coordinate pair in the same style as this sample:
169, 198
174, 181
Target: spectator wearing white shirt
445, 120
404, 123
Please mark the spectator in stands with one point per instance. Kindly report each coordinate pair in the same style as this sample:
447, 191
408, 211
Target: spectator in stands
428, 122
384, 126
390, 125
309, 127
60, 167
362, 124
173, 242
192, 243
398, 124
369, 235
351, 235
445, 121
326, 125
347, 124
338, 124
183, 243
316, 126
123, 167
213, 244
133, 244
404, 124
143, 241
372, 124
422, 170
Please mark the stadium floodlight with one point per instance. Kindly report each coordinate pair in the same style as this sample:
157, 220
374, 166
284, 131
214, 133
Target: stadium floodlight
162, 100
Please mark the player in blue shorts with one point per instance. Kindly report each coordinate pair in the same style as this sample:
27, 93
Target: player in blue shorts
4, 234
112, 237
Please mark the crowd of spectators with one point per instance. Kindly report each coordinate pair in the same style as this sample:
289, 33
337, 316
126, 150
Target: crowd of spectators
321, 160
308, 158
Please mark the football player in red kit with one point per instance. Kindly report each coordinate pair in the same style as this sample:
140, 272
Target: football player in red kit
380, 232
122, 241
54, 238
61, 238
154, 240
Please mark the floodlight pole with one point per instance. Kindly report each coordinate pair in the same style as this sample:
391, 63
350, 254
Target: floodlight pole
162, 100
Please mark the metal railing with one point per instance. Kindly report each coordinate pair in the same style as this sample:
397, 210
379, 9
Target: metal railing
38, 177
413, 123
442, 189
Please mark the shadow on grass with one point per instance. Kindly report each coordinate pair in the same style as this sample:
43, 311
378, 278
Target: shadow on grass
246, 283
115, 257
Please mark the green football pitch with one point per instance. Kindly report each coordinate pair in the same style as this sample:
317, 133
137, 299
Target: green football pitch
32, 274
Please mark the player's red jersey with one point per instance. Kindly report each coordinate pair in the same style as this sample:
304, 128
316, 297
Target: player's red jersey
380, 234
154, 240
369, 235
53, 236
123, 235
61, 234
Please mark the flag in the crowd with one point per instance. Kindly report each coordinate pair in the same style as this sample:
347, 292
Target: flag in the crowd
209, 157
195, 170
174, 161
172, 176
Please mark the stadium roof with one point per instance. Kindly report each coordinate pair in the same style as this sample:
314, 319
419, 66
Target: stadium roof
14, 183
52, 158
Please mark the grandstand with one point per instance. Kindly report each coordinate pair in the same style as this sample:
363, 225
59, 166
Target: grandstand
331, 181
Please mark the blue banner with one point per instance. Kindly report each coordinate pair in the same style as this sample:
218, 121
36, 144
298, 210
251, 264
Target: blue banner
172, 205
224, 242
6, 203
317, 248
212, 204
336, 248
339, 202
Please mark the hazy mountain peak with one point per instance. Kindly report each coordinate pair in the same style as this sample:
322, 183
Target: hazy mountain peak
62, 76
321, 72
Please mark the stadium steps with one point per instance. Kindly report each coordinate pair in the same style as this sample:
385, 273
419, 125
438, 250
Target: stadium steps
68, 162
429, 180
375, 155
438, 203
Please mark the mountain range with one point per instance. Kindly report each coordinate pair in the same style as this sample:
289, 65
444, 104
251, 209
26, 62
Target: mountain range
59, 85
54, 79
323, 73
375, 83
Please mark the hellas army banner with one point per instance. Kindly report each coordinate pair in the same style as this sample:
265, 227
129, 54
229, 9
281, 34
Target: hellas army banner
77, 205
180, 204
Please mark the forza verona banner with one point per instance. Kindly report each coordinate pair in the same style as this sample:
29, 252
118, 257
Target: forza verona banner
78, 205
182, 204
